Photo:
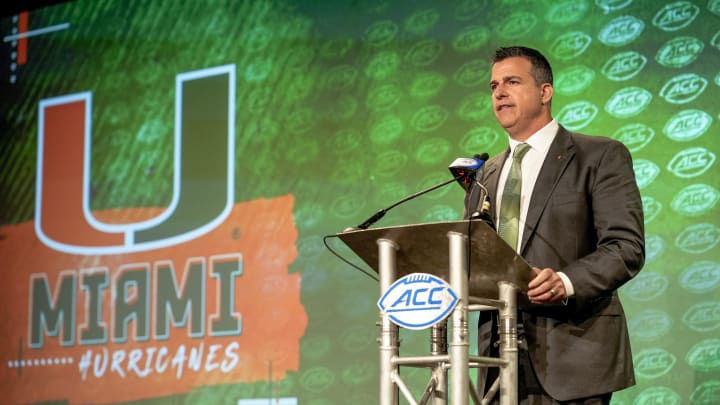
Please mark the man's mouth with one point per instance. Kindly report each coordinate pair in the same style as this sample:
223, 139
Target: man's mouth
502, 107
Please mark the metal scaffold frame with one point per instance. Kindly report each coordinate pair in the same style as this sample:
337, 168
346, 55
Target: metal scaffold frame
458, 361
485, 274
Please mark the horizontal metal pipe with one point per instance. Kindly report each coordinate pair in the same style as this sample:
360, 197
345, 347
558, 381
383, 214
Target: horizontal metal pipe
495, 361
425, 360
486, 301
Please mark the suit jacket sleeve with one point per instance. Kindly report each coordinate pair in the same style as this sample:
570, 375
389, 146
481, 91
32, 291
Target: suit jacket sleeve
618, 222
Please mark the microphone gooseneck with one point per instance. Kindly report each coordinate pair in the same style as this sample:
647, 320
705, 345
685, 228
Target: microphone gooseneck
376, 217
461, 169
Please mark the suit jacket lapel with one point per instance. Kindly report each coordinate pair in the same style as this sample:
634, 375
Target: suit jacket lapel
561, 152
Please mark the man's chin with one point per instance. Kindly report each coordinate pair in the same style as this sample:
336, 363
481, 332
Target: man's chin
505, 123
511, 128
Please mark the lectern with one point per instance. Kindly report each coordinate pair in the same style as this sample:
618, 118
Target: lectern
483, 271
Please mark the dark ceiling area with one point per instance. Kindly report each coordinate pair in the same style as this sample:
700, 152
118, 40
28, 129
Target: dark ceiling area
9, 8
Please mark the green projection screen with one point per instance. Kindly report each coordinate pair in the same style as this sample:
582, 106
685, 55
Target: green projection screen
168, 170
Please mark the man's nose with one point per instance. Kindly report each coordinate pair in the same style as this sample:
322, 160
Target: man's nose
499, 92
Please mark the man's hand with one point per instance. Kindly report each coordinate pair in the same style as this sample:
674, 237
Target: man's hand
546, 287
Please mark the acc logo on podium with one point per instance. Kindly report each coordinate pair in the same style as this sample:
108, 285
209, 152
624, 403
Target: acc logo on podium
418, 301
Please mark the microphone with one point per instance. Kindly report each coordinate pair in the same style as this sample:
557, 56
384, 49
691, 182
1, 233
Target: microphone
482, 211
478, 206
464, 169
461, 168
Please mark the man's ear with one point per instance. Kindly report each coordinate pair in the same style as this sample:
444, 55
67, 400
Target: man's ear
546, 93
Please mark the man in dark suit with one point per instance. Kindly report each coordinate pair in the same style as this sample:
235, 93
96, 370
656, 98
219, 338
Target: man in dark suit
579, 224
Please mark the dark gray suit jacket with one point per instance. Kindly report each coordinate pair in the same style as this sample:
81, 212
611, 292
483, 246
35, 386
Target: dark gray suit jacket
585, 219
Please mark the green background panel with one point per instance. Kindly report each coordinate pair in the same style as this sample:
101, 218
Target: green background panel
351, 105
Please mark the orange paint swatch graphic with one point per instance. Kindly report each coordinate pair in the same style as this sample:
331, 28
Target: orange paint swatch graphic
108, 328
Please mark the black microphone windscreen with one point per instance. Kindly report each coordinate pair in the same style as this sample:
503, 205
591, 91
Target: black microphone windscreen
484, 157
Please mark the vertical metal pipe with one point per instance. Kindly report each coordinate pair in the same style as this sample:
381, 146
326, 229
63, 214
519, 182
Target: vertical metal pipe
507, 330
389, 333
459, 341
438, 347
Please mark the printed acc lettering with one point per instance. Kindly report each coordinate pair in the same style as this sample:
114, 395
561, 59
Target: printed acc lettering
383, 97
691, 162
429, 118
628, 102
703, 316
517, 25
695, 199
424, 52
683, 88
654, 247
421, 21
574, 79
651, 208
675, 16
472, 73
624, 66
381, 32
621, 31
687, 125
565, 12
679, 52
635, 136
474, 107
340, 77
658, 395
704, 355
417, 301
645, 172
612, 5
427, 84
570, 45
578, 114
479, 137
647, 286
650, 324
701, 277
654, 363
714, 7
698, 238
707, 393
471, 38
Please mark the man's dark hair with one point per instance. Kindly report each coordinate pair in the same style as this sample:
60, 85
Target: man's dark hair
541, 70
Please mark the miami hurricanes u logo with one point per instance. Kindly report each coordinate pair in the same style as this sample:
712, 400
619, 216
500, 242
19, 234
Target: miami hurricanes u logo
203, 170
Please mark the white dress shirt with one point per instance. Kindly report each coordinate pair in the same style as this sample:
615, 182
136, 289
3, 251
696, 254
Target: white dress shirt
531, 164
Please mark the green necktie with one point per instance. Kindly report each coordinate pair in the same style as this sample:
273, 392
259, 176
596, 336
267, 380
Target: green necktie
510, 203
